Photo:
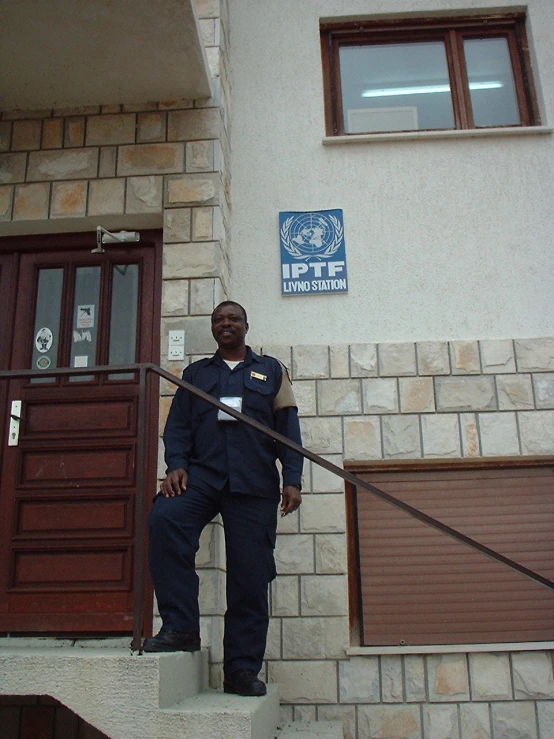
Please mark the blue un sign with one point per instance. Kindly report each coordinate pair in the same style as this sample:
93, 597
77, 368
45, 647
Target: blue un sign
313, 253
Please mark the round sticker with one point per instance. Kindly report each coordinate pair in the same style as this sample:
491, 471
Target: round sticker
44, 362
43, 340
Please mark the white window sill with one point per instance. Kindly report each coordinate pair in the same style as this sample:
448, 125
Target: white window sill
471, 133
452, 648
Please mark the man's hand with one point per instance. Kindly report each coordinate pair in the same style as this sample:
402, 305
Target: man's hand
290, 499
174, 483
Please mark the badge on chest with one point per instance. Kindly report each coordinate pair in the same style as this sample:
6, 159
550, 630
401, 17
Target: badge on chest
233, 402
258, 376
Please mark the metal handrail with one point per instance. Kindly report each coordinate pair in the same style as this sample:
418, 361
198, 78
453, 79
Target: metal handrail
146, 367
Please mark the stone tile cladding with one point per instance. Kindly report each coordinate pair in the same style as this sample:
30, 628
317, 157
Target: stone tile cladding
402, 401
168, 161
358, 402
447, 400
165, 161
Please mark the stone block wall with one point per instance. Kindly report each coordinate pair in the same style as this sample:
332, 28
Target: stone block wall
168, 163
394, 401
487, 695
163, 165
160, 162
106, 160
158, 165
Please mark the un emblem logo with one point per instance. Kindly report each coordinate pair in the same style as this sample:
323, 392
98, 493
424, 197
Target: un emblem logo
312, 235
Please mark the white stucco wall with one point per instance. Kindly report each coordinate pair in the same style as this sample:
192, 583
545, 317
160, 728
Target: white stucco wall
446, 238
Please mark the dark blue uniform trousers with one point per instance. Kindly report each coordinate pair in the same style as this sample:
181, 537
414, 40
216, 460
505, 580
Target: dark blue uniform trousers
250, 525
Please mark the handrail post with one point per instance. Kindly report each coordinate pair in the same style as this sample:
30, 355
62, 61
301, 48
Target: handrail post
139, 569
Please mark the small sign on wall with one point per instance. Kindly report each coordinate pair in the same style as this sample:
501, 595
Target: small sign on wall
313, 253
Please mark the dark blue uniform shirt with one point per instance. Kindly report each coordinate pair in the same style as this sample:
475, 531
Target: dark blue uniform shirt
218, 452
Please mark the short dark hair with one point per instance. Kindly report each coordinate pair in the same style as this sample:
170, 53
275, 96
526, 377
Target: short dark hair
231, 302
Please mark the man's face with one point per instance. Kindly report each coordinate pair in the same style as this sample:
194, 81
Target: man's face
229, 326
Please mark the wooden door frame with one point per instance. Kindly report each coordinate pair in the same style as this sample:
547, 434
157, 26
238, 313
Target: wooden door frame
10, 250
8, 287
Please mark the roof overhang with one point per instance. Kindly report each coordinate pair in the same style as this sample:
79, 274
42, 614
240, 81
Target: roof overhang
68, 53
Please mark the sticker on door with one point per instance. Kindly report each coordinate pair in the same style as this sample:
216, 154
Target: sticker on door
43, 340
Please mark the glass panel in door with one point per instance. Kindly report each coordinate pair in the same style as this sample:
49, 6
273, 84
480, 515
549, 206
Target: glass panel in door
46, 334
123, 318
86, 315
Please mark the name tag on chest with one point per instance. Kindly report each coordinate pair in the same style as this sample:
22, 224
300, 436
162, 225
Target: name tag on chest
234, 402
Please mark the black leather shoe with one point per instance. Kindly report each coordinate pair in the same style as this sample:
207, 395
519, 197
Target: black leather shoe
172, 641
244, 682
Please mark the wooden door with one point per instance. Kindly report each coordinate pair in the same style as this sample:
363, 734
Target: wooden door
68, 487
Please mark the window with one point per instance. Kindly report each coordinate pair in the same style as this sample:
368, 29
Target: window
415, 585
427, 74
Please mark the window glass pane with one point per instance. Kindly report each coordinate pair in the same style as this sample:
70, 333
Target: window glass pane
491, 82
123, 319
395, 87
46, 336
85, 319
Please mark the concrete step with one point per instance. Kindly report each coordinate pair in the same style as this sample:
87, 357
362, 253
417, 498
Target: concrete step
124, 695
311, 730
115, 690
213, 714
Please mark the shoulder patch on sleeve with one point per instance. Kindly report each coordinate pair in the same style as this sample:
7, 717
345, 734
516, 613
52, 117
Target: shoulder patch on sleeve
285, 397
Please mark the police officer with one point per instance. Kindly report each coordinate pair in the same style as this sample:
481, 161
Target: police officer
216, 464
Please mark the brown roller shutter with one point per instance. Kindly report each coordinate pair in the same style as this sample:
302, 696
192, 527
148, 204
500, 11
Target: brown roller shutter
417, 585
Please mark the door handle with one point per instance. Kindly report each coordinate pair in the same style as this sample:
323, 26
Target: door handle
15, 418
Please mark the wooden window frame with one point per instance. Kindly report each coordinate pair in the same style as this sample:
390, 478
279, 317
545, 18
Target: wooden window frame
453, 32
355, 595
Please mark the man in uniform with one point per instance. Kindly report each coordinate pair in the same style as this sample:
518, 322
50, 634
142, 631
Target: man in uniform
216, 464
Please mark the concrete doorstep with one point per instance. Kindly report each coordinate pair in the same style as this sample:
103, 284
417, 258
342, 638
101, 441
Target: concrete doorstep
125, 695
214, 714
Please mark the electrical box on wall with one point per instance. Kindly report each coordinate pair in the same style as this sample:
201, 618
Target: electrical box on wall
176, 345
